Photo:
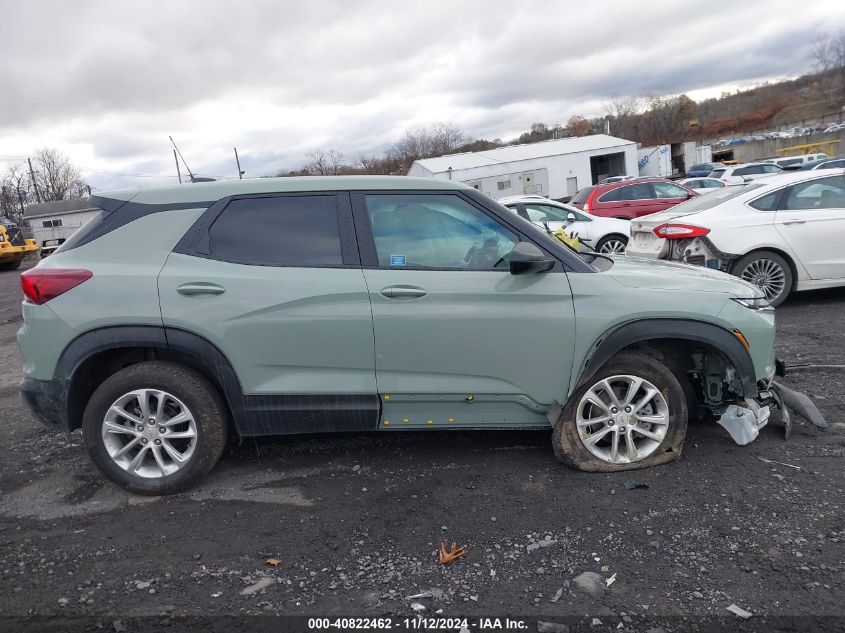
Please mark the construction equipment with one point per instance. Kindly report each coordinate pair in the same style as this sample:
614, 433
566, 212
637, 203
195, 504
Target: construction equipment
13, 245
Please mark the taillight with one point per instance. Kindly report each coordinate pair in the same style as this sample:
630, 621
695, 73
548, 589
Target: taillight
679, 231
589, 202
41, 285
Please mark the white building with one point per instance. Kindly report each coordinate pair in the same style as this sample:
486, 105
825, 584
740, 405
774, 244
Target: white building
556, 168
53, 222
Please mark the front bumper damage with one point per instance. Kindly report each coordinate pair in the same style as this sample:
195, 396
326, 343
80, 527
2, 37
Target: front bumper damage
743, 423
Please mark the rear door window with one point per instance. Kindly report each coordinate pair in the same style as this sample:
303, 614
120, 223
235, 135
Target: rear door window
717, 173
640, 191
278, 231
824, 193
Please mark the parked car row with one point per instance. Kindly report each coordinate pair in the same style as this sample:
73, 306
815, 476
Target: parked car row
631, 199
603, 235
782, 233
794, 132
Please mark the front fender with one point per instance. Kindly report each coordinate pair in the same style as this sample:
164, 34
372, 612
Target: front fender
638, 331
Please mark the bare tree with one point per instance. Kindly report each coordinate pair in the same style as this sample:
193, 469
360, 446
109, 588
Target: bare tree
828, 54
425, 142
15, 192
55, 176
624, 113
324, 162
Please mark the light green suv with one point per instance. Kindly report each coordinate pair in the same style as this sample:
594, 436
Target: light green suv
310, 305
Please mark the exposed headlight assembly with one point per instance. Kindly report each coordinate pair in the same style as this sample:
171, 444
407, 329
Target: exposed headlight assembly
756, 303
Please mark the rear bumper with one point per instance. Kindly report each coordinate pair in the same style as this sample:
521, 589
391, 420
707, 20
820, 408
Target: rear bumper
47, 400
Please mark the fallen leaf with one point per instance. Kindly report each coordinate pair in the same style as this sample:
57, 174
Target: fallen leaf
448, 555
273, 561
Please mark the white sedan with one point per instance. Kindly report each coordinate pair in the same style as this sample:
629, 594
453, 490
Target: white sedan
702, 185
782, 233
603, 235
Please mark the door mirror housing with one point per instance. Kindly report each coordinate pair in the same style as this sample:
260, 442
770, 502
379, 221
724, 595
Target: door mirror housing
526, 257
570, 217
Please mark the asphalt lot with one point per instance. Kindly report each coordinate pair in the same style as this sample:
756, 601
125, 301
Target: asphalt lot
354, 522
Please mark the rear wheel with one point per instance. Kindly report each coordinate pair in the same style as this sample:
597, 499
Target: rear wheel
155, 427
11, 265
632, 413
768, 271
614, 244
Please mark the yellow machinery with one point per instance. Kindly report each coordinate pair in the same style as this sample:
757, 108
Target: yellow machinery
828, 147
13, 245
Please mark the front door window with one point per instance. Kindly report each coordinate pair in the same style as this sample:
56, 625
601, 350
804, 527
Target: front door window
437, 231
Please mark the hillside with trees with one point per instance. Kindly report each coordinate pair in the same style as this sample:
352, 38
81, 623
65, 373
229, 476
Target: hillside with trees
649, 120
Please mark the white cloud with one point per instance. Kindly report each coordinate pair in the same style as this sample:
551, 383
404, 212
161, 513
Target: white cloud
108, 81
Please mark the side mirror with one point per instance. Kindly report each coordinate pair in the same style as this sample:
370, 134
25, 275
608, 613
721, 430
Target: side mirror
528, 258
570, 217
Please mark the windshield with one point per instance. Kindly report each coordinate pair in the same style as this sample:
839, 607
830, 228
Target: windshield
702, 203
548, 213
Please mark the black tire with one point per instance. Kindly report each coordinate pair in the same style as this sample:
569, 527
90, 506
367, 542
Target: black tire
570, 449
201, 398
609, 238
11, 265
766, 258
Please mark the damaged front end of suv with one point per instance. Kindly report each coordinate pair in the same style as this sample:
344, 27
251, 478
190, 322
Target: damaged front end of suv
740, 408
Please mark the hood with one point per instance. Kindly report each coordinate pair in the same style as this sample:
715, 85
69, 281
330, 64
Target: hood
657, 274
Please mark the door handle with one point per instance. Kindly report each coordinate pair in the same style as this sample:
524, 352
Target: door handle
794, 222
403, 292
200, 288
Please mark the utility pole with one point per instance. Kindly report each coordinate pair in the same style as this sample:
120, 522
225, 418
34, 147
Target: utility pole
34, 184
238, 162
178, 172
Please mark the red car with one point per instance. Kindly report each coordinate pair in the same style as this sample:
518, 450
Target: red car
631, 198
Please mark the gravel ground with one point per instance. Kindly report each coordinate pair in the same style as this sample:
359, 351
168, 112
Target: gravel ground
354, 523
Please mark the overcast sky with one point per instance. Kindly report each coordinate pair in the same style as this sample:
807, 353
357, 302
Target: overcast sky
107, 81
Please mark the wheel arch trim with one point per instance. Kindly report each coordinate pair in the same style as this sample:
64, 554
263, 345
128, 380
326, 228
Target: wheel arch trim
642, 330
208, 359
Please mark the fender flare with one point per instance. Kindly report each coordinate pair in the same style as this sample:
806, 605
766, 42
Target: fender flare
205, 356
632, 332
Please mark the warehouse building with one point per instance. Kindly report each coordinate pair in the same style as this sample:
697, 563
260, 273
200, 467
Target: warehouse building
556, 168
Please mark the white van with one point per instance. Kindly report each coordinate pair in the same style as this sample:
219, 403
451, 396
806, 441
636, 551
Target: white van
794, 162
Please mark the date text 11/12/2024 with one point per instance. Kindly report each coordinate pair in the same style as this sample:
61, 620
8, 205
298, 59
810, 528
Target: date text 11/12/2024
417, 624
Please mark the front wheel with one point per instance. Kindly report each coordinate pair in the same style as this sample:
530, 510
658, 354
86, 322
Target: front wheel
612, 244
11, 265
632, 413
155, 427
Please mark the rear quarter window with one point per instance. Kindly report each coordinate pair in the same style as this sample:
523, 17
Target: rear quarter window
278, 231
582, 195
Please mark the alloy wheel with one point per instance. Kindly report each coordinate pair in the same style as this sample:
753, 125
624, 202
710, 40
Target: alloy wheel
613, 246
149, 433
622, 419
766, 274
